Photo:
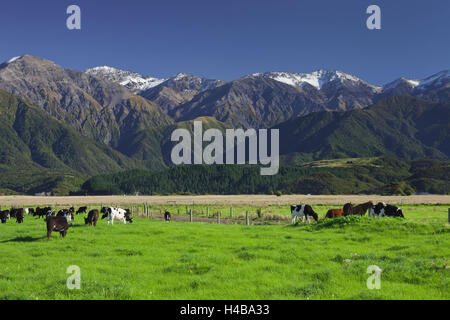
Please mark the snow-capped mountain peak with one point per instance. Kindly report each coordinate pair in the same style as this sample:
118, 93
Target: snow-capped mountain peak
316, 79
13, 59
436, 79
135, 82
420, 84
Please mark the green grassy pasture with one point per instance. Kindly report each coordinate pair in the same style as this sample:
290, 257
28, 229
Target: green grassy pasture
152, 259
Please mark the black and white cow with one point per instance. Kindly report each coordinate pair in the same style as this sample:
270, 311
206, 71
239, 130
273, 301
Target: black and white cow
66, 213
303, 211
114, 214
167, 215
4, 215
382, 209
50, 213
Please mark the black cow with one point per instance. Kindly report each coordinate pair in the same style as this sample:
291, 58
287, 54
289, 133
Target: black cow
42, 212
58, 224
82, 210
92, 218
128, 216
20, 214
167, 215
383, 209
12, 212
4, 215
303, 211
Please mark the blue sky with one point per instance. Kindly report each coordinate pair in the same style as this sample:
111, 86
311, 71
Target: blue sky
229, 39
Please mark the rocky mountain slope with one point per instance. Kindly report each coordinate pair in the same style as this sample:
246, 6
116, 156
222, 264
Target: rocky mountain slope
97, 108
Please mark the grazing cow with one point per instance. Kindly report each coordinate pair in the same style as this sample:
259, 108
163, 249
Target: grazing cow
42, 212
334, 213
12, 212
4, 215
20, 215
83, 210
50, 213
167, 215
92, 218
360, 209
383, 209
304, 211
128, 216
114, 214
58, 224
66, 213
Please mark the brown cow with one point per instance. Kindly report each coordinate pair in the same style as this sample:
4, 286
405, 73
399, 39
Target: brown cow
58, 224
92, 218
334, 213
360, 209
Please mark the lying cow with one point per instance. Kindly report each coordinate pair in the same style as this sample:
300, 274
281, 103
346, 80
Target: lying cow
92, 218
304, 211
114, 214
58, 224
382, 209
4, 215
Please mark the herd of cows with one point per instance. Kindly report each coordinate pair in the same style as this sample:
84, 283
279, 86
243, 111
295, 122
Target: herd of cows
59, 222
381, 209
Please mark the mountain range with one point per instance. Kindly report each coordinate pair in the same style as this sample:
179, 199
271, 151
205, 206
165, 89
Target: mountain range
266, 99
105, 119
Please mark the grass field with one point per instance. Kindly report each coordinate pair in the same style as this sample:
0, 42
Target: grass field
152, 259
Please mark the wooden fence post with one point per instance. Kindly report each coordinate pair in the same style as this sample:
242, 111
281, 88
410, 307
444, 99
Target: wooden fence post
231, 212
247, 222
187, 210
218, 217
190, 215
207, 212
